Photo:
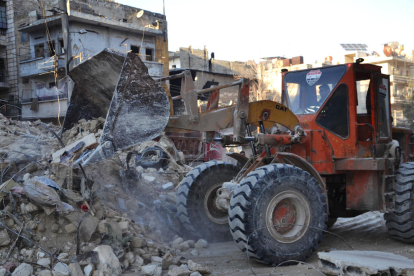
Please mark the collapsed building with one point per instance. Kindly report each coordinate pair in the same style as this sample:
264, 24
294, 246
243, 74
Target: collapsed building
45, 47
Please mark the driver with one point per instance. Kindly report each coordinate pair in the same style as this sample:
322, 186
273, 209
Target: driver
323, 92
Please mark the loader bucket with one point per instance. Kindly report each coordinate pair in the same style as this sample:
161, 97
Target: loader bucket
118, 87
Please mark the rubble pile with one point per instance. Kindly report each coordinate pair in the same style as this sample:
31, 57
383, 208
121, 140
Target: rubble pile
114, 217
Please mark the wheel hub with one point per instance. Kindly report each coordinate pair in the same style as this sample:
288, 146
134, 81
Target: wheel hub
284, 216
212, 206
288, 216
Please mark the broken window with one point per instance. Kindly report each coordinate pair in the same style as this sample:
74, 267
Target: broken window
24, 37
51, 48
52, 84
61, 47
149, 54
39, 50
2, 70
135, 49
3, 18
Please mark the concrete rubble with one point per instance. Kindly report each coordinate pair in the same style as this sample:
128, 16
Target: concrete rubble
364, 263
110, 219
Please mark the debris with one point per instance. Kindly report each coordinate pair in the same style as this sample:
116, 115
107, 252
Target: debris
75, 269
44, 195
179, 271
201, 244
6, 187
197, 267
151, 270
88, 227
364, 263
168, 187
108, 262
4, 238
23, 270
71, 152
60, 269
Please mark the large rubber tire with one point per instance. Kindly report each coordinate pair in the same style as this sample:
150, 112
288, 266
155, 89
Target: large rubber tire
400, 222
256, 202
191, 201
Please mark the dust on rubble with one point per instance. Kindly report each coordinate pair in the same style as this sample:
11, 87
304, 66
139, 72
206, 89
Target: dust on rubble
57, 218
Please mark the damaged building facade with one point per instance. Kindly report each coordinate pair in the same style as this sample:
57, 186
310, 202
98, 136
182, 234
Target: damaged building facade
93, 26
9, 81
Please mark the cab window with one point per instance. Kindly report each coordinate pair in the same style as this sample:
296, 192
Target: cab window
334, 115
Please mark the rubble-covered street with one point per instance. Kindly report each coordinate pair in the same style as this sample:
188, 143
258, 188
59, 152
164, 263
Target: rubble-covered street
108, 220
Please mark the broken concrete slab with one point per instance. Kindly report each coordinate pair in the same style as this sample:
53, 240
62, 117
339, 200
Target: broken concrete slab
87, 141
364, 263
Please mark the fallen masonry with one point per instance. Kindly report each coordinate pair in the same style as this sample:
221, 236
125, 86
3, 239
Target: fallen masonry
111, 218
364, 263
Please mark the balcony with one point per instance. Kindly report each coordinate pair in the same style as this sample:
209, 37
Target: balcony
39, 66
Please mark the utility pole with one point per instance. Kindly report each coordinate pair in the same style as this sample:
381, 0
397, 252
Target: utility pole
65, 8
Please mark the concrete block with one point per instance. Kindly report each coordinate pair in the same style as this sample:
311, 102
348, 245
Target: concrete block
364, 263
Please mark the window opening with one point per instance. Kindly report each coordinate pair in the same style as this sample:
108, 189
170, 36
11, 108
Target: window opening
149, 54
135, 49
39, 50
334, 115
364, 97
51, 48
383, 108
52, 84
308, 90
3, 18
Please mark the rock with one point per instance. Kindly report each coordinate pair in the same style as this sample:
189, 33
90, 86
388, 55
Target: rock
40, 255
151, 270
132, 205
167, 260
139, 169
44, 261
85, 258
54, 228
138, 261
41, 227
195, 274
61, 270
130, 257
2, 271
26, 176
179, 271
177, 241
194, 252
32, 225
31, 168
28, 254
45, 272
4, 238
191, 243
88, 270
102, 227
63, 257
148, 178
23, 270
108, 262
88, 227
76, 270
30, 207
201, 244
70, 228
138, 242
364, 263
168, 187
156, 259
197, 267
123, 225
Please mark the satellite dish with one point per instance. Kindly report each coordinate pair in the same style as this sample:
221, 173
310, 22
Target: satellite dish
140, 13
387, 50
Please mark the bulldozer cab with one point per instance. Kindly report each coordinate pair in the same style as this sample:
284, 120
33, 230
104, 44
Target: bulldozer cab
350, 103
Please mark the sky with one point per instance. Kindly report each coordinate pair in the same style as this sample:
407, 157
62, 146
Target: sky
241, 30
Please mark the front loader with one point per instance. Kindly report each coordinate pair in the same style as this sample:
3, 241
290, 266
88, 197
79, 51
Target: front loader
315, 157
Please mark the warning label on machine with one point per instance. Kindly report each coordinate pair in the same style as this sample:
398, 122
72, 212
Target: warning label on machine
313, 76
